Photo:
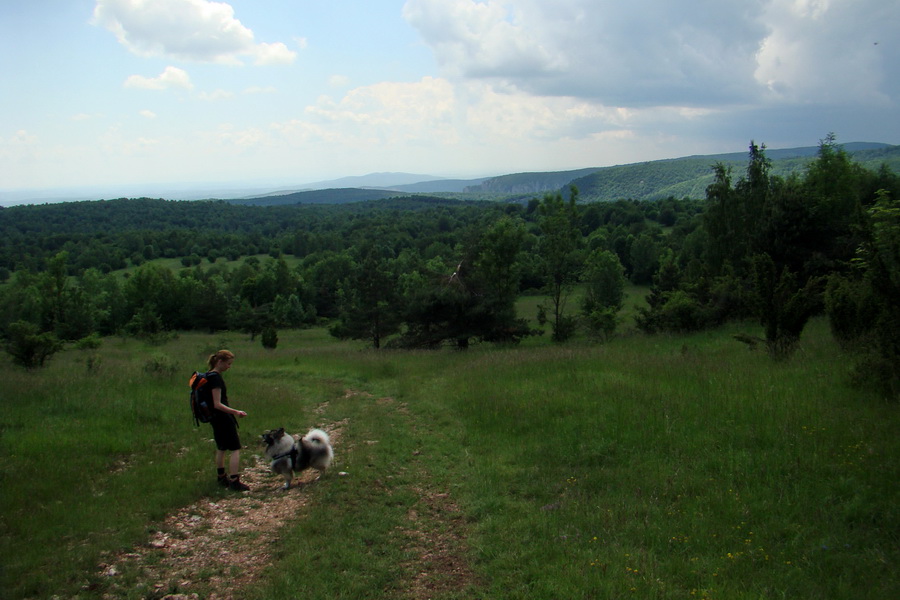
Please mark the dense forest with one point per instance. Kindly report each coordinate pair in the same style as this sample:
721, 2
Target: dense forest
419, 271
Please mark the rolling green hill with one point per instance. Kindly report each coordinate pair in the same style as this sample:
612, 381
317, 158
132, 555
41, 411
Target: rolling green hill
685, 177
689, 176
678, 177
328, 196
529, 183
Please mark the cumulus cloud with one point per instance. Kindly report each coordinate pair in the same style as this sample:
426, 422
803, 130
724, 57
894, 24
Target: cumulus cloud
171, 77
696, 53
273, 54
147, 114
419, 124
393, 111
194, 30
436, 112
831, 52
644, 52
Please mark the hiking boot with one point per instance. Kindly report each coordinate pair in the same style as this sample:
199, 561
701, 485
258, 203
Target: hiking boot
236, 485
223, 480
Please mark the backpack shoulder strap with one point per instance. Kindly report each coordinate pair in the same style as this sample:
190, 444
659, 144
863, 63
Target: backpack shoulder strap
197, 380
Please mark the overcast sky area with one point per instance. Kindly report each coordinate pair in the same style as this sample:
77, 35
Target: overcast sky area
103, 93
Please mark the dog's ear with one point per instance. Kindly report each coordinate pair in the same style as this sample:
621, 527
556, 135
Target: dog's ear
279, 433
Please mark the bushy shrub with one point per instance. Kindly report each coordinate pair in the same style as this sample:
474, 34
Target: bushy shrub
564, 328
682, 313
727, 301
269, 338
602, 322
676, 312
28, 347
90, 342
851, 308
160, 364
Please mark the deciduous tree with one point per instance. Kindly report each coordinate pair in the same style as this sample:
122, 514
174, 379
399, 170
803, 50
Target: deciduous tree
559, 248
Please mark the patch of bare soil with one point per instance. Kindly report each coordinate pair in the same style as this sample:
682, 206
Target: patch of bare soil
222, 543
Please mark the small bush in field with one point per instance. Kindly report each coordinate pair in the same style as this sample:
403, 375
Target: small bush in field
269, 338
29, 348
91, 342
160, 364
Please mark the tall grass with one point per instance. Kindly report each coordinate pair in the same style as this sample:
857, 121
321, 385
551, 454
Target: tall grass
672, 470
649, 467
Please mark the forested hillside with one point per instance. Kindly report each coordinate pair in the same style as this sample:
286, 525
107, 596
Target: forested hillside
529, 183
422, 272
327, 196
685, 177
688, 177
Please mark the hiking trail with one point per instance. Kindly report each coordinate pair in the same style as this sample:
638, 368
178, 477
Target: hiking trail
219, 546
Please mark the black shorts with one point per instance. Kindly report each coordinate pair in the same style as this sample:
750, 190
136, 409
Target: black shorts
225, 433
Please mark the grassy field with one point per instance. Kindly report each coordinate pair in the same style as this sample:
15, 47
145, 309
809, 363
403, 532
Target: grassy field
648, 467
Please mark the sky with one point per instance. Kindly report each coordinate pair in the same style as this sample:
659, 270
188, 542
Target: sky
107, 94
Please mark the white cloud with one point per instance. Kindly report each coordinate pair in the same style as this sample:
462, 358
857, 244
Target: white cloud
830, 52
273, 54
147, 114
616, 53
393, 111
484, 39
430, 118
695, 53
525, 118
475, 127
195, 30
171, 77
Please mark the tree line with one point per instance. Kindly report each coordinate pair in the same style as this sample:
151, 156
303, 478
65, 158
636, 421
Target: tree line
63, 262
423, 272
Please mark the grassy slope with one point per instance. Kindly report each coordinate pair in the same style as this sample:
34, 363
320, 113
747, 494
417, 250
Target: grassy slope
648, 467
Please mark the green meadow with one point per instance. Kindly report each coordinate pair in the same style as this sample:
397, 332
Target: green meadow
646, 467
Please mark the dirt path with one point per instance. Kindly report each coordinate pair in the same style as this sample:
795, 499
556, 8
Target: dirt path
221, 544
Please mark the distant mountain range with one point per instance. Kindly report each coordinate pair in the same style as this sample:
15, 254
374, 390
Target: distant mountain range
679, 177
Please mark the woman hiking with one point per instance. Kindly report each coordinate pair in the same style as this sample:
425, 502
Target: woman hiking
224, 422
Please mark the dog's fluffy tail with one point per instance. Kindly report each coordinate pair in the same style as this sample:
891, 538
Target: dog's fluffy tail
317, 436
320, 440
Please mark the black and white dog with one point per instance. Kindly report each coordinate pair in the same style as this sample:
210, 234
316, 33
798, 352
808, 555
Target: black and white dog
290, 454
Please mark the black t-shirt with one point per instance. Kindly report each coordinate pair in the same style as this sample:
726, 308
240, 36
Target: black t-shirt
215, 380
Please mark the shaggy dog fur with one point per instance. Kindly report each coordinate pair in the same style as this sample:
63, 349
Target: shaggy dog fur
292, 454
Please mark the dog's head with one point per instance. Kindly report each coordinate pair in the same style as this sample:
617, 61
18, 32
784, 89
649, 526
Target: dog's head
272, 436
